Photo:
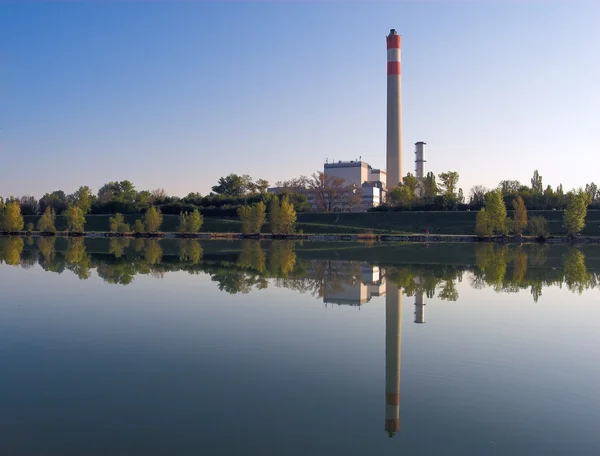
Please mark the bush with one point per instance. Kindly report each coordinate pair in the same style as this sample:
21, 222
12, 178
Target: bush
538, 226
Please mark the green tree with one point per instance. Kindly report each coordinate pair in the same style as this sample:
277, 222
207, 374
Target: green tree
232, 185
190, 222
46, 221
520, 217
153, 219
496, 211
118, 225
536, 183
538, 226
274, 210
252, 217
11, 248
430, 189
261, 186
448, 184
138, 227
576, 211
12, 218
402, 195
75, 218
483, 226
243, 213
287, 217
83, 199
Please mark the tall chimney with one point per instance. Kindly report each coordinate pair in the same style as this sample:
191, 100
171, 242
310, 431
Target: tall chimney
419, 160
394, 111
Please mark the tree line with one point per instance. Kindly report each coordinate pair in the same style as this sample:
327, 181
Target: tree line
492, 218
443, 193
326, 192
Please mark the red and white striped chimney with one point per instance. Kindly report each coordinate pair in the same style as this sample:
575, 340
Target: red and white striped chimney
394, 111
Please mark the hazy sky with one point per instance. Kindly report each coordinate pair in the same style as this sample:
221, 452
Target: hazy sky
176, 95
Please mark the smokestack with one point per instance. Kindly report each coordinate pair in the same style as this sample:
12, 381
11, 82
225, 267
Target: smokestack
394, 111
419, 153
419, 308
393, 340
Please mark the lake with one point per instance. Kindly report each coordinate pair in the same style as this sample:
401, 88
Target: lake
145, 347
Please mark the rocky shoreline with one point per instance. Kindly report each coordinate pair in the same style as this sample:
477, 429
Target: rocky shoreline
413, 238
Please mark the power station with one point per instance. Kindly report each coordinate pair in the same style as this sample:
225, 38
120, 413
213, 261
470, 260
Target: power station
370, 185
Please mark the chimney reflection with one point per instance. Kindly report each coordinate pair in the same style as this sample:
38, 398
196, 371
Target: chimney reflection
393, 341
419, 307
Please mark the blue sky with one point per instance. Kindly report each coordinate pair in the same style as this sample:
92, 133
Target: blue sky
177, 94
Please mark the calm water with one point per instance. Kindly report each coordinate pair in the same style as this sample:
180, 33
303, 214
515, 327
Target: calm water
224, 348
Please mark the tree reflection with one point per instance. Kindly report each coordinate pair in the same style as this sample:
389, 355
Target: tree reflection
255, 265
77, 259
10, 250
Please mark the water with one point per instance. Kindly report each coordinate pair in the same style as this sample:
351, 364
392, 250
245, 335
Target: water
130, 347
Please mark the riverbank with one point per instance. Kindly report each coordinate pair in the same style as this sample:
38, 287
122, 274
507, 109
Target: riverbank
380, 223
413, 238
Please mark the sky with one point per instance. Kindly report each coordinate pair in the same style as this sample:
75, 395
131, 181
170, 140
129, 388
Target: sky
178, 94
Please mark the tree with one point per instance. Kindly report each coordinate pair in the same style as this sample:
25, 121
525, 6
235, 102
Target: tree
509, 187
83, 199
153, 219
483, 225
118, 225
232, 185
576, 211
138, 227
520, 217
157, 196
401, 195
538, 226
46, 221
536, 183
496, 211
274, 209
195, 221
261, 186
329, 192
190, 222
592, 191
355, 194
243, 213
12, 218
56, 200
287, 217
448, 184
430, 187
29, 205
75, 218
252, 217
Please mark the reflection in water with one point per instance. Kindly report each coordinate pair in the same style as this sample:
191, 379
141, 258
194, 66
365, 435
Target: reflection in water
250, 264
393, 343
243, 267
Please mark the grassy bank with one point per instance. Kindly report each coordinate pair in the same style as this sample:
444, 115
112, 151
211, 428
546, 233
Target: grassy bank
461, 223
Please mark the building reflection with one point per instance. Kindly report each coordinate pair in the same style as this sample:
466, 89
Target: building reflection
353, 284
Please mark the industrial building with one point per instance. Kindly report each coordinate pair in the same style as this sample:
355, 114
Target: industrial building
368, 187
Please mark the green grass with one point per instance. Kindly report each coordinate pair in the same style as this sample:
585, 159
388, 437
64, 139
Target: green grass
352, 223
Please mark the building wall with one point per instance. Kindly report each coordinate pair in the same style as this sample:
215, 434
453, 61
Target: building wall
353, 173
378, 175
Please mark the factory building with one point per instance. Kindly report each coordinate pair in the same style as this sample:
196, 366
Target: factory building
370, 183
